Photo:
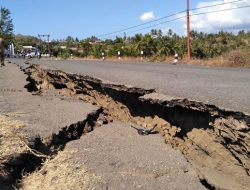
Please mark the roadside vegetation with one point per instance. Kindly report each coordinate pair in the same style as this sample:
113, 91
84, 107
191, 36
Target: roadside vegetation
6, 26
220, 49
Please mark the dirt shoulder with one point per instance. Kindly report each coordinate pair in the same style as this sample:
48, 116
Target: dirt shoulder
11, 145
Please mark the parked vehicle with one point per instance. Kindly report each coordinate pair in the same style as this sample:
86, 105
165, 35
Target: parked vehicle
30, 55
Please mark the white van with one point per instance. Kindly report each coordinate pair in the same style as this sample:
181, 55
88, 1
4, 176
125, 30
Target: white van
31, 54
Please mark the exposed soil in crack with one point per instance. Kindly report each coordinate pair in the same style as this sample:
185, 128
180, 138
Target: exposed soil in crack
215, 141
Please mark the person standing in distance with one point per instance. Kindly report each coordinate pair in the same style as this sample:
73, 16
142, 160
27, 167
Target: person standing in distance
2, 51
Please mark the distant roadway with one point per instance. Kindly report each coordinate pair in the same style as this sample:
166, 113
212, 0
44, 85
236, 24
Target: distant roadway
225, 87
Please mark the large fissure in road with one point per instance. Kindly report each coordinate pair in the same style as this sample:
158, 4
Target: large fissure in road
215, 141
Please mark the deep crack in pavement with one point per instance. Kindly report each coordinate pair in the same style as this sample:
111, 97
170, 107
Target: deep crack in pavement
205, 134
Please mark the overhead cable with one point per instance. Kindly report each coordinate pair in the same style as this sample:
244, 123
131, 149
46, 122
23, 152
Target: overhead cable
171, 15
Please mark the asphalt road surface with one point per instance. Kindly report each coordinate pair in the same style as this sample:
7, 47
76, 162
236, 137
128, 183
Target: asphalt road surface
225, 87
110, 157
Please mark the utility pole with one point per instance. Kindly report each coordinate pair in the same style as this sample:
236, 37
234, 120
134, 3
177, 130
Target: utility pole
44, 35
188, 34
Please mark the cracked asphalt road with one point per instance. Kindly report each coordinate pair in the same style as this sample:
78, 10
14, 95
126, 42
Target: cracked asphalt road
115, 153
42, 115
224, 87
125, 160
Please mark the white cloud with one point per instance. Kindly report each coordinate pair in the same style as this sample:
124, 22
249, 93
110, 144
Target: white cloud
231, 20
147, 16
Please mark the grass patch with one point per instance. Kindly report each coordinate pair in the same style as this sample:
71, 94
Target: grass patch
60, 173
10, 139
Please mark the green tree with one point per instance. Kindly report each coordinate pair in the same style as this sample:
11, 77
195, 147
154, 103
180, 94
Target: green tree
96, 50
70, 42
23, 40
86, 48
6, 25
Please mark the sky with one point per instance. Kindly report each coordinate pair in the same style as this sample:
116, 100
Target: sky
84, 18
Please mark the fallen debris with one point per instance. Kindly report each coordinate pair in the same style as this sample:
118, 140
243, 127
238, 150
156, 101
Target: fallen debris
143, 131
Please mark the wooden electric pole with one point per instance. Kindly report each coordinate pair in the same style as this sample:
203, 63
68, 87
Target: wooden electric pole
188, 34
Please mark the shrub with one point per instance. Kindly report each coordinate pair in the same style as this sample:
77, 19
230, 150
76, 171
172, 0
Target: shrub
237, 58
65, 54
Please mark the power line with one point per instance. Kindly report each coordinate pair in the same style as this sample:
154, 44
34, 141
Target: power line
228, 9
181, 17
215, 5
151, 26
136, 26
174, 14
